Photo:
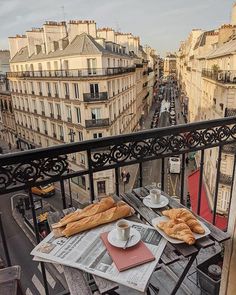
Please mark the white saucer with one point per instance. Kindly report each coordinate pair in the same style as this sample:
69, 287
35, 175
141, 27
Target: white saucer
114, 241
163, 202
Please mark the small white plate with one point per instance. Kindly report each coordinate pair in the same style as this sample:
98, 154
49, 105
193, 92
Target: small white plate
176, 241
163, 202
114, 241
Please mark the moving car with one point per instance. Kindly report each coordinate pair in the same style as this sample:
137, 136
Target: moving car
44, 190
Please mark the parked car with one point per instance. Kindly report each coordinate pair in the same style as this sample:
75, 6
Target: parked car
44, 190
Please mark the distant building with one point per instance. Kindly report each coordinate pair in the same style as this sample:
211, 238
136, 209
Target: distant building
73, 82
206, 70
170, 64
4, 61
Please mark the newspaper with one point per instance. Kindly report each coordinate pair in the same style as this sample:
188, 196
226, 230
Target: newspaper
87, 252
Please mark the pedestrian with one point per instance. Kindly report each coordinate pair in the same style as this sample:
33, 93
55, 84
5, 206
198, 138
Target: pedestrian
187, 161
9, 145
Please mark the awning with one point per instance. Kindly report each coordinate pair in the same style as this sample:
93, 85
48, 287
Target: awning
205, 210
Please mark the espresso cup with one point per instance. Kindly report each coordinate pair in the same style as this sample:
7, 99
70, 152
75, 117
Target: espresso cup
155, 195
123, 230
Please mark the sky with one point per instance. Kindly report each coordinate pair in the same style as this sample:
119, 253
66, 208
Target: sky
162, 24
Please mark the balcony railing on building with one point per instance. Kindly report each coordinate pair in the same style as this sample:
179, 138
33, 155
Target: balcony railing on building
86, 72
226, 77
93, 123
27, 169
93, 97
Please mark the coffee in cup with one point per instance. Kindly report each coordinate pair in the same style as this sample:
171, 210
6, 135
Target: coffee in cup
155, 195
123, 230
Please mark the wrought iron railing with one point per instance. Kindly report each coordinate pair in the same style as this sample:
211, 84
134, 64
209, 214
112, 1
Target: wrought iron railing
46, 165
87, 72
220, 76
97, 123
91, 97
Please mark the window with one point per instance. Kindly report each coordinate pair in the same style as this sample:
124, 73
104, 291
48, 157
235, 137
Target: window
58, 108
56, 90
51, 109
92, 65
34, 106
61, 132
80, 136
101, 187
66, 90
97, 135
40, 88
78, 115
69, 115
32, 87
108, 62
76, 90
94, 90
48, 88
82, 159
45, 126
96, 114
53, 128
80, 181
42, 108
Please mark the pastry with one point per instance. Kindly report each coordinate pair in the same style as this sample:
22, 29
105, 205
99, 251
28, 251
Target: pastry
187, 217
103, 205
112, 214
177, 229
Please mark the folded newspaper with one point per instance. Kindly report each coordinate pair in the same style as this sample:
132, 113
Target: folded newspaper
87, 252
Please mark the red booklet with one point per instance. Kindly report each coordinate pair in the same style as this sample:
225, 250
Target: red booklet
129, 257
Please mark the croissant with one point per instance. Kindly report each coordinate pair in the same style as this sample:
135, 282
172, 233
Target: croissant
103, 205
177, 229
187, 217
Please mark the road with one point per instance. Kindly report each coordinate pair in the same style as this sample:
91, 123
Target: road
152, 169
20, 248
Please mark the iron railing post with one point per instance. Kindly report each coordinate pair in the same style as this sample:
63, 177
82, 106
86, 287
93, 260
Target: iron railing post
140, 174
117, 180
217, 185
200, 183
182, 201
90, 168
63, 194
36, 230
4, 242
163, 174
232, 186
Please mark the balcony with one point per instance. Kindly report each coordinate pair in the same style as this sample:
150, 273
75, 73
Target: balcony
225, 179
97, 123
73, 73
47, 165
224, 77
95, 97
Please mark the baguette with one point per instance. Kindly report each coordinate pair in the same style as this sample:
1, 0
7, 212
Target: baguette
86, 223
103, 205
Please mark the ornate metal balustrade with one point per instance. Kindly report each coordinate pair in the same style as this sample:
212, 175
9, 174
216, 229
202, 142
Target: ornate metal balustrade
94, 97
220, 76
30, 168
69, 73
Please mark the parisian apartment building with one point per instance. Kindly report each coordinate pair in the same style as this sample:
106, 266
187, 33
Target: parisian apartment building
7, 118
170, 64
206, 69
72, 82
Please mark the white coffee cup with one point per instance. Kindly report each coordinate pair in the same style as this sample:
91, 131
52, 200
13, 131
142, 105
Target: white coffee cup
155, 195
123, 230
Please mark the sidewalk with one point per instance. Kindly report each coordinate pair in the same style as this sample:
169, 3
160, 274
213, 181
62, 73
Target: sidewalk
133, 169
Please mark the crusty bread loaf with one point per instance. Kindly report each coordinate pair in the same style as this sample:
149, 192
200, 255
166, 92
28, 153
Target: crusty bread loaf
112, 214
103, 205
187, 217
177, 229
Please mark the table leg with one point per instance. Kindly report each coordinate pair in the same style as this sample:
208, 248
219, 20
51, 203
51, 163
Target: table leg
183, 275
